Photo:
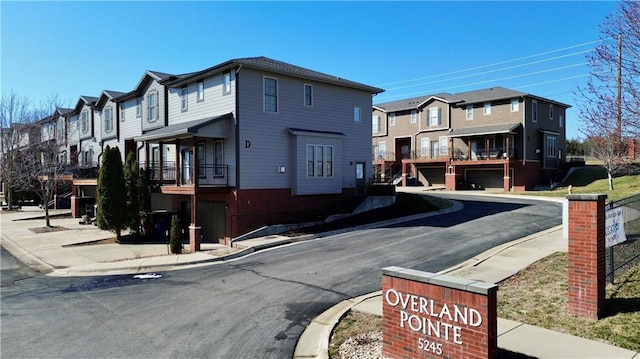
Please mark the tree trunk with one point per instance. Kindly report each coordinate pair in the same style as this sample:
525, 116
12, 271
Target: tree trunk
610, 178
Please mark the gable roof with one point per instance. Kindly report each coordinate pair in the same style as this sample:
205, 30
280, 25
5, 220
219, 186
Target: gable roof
489, 94
416, 102
271, 65
106, 96
85, 100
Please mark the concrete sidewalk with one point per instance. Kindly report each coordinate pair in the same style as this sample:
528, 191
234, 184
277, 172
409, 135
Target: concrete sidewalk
491, 266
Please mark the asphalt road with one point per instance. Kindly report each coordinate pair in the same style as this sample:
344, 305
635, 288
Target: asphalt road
253, 307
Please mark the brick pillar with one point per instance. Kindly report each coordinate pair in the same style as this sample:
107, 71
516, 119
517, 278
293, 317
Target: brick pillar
427, 315
450, 181
194, 238
75, 207
587, 267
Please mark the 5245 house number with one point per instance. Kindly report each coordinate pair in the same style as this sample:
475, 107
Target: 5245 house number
433, 347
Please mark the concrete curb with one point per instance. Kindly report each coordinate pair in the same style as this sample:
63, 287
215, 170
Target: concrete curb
25, 257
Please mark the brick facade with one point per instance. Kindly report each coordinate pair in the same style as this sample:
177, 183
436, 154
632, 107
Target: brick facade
587, 267
426, 315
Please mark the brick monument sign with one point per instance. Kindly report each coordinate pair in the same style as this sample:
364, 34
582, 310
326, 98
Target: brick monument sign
427, 315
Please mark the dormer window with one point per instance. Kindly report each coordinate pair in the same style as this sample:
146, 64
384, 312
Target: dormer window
486, 109
152, 106
184, 98
108, 120
84, 121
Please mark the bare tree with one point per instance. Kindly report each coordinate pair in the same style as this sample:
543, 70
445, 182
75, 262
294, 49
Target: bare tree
15, 113
609, 103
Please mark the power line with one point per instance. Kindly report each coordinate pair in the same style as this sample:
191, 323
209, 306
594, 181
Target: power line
490, 71
490, 65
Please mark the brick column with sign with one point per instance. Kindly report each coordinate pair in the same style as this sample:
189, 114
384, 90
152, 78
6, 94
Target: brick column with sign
587, 266
427, 315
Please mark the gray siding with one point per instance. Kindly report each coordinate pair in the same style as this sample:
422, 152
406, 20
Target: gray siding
147, 123
271, 145
214, 102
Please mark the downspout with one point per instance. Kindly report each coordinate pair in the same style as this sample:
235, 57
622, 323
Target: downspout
524, 131
237, 74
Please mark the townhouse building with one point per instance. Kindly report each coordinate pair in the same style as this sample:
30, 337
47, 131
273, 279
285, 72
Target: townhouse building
236, 146
493, 138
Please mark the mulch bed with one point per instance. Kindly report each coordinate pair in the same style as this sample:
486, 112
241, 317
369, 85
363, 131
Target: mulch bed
48, 229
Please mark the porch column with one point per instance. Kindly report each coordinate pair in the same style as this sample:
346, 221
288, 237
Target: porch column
195, 165
486, 148
161, 160
507, 178
404, 174
506, 150
450, 148
177, 162
468, 149
146, 158
195, 231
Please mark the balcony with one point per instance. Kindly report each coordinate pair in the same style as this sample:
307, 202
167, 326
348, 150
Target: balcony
209, 175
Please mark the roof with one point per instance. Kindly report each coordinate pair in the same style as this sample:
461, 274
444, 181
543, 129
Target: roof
108, 95
265, 63
485, 130
461, 99
186, 129
85, 100
416, 102
303, 132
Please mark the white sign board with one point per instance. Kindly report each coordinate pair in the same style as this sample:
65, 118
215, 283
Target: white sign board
614, 227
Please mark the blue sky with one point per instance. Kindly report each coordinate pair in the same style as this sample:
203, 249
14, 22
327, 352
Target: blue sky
410, 49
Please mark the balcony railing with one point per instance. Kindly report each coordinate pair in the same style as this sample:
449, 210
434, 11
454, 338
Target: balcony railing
460, 154
208, 174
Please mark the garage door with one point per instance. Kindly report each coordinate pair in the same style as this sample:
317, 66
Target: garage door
485, 178
431, 176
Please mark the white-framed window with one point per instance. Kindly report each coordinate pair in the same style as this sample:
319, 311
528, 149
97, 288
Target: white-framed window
375, 124
184, 98
200, 91
122, 112
218, 158
561, 121
270, 94
469, 111
139, 107
319, 161
84, 121
226, 84
414, 116
382, 149
435, 116
392, 119
515, 105
444, 146
356, 114
202, 160
534, 111
551, 111
108, 120
308, 95
424, 147
486, 110
152, 106
552, 146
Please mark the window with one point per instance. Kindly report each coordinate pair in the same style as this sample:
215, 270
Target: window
392, 119
226, 84
552, 149
486, 109
122, 112
444, 146
551, 111
469, 112
200, 90
270, 94
108, 120
84, 121
382, 149
139, 107
356, 114
319, 161
414, 116
515, 105
375, 124
152, 106
561, 121
184, 98
308, 95
435, 117
424, 147
534, 111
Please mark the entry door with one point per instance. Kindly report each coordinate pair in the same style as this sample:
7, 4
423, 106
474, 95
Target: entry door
360, 178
